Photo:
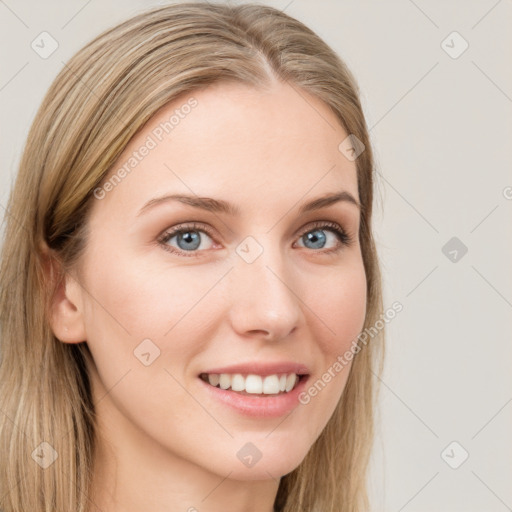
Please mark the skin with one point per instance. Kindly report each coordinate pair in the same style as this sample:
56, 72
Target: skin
164, 444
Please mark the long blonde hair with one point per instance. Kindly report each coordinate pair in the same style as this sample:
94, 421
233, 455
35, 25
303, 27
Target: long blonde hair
100, 99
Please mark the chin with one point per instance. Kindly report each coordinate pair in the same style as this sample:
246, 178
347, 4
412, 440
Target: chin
262, 471
263, 460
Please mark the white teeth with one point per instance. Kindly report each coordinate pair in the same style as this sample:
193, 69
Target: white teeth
290, 382
237, 382
213, 379
224, 381
271, 384
254, 384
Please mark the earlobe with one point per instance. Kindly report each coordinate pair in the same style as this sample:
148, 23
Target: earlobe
66, 309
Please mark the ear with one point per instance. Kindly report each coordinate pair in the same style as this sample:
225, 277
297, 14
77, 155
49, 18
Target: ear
66, 308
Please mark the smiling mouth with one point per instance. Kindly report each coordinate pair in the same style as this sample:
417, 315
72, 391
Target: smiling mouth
255, 385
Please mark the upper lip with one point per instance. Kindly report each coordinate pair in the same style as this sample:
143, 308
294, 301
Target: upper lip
262, 368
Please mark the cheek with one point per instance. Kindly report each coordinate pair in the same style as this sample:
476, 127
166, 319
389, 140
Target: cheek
141, 314
339, 311
340, 306
138, 300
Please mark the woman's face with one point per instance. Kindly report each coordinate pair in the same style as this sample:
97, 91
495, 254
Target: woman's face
267, 285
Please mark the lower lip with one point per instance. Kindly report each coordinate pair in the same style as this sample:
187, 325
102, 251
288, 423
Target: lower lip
258, 406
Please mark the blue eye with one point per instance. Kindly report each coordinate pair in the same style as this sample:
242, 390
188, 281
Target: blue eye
315, 237
189, 238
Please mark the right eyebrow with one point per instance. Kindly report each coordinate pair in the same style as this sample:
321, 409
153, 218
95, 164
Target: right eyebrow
205, 203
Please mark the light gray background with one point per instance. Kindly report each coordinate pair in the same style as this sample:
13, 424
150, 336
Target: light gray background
442, 131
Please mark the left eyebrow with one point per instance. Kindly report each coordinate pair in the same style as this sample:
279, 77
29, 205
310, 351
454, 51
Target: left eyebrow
328, 200
221, 206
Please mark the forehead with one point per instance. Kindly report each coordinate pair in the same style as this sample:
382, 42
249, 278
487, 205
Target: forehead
238, 143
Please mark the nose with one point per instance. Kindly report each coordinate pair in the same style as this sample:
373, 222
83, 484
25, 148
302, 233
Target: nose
264, 303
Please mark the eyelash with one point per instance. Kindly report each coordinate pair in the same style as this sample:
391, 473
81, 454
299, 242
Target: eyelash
345, 239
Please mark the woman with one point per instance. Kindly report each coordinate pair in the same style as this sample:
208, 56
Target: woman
187, 267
